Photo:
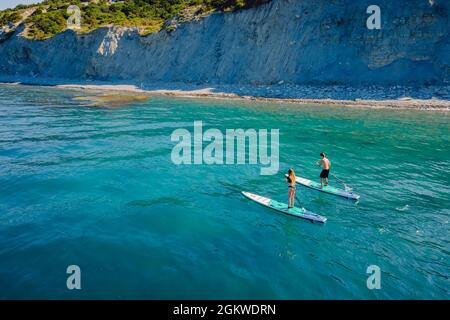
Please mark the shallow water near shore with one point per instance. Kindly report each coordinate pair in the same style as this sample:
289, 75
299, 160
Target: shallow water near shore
96, 187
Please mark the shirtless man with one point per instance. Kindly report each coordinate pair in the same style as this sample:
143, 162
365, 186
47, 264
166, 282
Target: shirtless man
325, 164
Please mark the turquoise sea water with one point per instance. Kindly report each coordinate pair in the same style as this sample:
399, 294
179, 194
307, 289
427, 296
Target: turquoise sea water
96, 187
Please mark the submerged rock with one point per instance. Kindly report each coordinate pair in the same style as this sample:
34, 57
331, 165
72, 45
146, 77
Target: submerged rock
111, 99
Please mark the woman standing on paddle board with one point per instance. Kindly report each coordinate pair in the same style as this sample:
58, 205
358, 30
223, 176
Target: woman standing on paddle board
291, 188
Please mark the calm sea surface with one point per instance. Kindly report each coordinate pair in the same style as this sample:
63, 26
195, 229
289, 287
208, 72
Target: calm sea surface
96, 187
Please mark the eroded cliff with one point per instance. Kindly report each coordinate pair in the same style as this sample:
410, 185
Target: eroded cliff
297, 42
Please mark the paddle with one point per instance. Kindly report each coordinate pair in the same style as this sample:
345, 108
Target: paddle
299, 202
346, 187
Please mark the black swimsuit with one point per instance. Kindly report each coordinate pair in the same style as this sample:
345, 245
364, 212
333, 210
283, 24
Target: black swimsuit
290, 181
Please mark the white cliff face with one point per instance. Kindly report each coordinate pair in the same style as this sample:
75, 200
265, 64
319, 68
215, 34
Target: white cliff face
110, 42
295, 41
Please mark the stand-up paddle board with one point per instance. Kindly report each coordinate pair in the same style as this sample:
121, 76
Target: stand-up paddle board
327, 189
282, 207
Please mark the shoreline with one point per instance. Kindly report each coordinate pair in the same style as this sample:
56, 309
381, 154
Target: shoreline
378, 97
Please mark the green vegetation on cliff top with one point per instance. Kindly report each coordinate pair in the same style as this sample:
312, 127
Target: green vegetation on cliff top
48, 18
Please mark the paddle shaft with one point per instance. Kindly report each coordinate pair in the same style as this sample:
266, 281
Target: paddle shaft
340, 181
296, 199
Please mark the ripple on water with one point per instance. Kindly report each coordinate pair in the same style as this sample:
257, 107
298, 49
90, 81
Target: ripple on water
97, 186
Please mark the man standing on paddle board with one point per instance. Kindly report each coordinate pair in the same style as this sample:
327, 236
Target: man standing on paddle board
325, 164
